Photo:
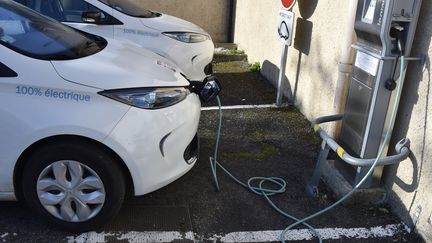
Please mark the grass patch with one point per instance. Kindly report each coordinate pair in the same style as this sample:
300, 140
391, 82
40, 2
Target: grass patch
234, 51
255, 67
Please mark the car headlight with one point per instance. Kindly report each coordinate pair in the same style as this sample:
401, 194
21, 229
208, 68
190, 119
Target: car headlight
148, 98
187, 37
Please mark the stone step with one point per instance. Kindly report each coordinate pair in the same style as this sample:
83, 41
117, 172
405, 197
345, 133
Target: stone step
221, 57
226, 45
228, 52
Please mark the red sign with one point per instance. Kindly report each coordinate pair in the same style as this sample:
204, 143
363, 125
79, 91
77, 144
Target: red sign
288, 3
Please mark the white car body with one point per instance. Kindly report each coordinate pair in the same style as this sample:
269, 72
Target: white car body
132, 133
192, 58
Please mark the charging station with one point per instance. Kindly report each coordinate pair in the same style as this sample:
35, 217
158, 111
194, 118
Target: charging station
379, 26
385, 31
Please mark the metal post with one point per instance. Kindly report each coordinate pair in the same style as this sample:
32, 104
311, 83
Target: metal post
312, 186
281, 82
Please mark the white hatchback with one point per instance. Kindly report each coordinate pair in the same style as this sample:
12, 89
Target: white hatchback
85, 119
186, 44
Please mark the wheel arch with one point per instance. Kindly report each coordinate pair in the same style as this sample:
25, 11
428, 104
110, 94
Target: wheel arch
21, 162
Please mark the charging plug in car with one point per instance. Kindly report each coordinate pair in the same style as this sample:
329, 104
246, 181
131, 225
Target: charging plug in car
208, 89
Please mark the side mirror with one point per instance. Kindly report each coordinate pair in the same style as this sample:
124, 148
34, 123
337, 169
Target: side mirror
92, 17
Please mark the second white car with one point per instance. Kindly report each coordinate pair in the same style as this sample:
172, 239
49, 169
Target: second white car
187, 45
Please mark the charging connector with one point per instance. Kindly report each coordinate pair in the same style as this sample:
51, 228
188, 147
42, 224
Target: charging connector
397, 31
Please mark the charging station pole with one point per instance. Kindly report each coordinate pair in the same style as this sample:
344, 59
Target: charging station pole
285, 30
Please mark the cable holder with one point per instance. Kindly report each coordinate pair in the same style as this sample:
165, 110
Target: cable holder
421, 59
402, 149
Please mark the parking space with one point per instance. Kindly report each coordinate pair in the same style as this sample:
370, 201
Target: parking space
255, 142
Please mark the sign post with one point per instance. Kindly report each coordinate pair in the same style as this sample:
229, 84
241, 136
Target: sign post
285, 33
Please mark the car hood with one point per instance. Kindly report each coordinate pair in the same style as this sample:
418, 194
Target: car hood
121, 65
167, 23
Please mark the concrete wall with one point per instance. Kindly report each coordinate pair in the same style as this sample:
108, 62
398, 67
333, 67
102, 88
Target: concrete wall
312, 73
211, 15
313, 60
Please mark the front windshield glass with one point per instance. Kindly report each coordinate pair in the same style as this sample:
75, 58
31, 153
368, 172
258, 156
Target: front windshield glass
34, 35
131, 7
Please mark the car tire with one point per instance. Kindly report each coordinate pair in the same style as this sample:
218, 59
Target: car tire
75, 186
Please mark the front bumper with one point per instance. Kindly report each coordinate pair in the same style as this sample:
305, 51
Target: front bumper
208, 70
191, 154
156, 144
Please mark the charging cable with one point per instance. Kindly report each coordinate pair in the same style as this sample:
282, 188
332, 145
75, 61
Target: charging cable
256, 184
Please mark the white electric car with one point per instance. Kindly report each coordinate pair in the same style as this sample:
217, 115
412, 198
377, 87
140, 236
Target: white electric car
85, 119
186, 44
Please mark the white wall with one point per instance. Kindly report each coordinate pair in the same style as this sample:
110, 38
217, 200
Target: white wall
313, 60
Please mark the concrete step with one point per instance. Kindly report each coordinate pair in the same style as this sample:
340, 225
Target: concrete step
226, 45
228, 52
222, 57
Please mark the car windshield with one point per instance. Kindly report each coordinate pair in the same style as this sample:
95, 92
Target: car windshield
34, 35
131, 7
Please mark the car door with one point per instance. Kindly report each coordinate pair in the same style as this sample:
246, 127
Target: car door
6, 76
71, 12
20, 93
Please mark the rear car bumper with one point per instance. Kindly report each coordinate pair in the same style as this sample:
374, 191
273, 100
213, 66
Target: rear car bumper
157, 146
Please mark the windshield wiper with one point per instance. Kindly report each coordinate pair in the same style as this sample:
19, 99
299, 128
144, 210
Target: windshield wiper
149, 14
90, 44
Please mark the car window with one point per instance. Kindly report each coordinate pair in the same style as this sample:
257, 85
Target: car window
32, 34
67, 10
73, 10
131, 7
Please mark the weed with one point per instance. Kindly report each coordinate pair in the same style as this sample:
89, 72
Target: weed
255, 67
233, 51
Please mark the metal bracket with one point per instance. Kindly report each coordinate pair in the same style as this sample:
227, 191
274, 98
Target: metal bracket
402, 149
312, 186
422, 59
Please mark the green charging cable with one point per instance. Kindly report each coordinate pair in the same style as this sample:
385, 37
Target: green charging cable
258, 190
256, 184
